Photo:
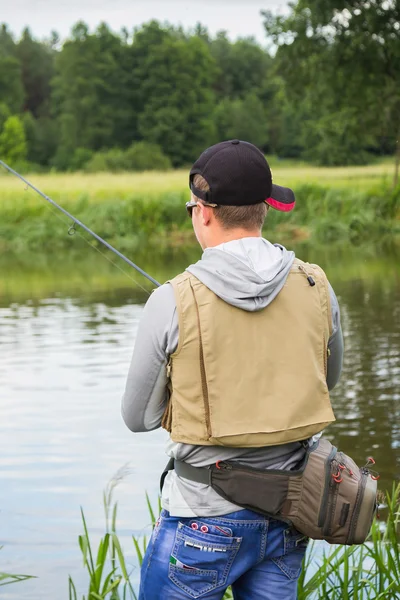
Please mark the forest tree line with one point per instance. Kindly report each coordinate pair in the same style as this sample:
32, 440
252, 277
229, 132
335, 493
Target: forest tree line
326, 89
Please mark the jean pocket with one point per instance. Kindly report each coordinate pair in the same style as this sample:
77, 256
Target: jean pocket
201, 562
295, 546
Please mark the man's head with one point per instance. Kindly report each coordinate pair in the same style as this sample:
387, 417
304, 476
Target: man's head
232, 189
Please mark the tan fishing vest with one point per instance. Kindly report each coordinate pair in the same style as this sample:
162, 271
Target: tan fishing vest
250, 379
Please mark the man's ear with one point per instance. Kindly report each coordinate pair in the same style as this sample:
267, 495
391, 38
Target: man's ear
205, 214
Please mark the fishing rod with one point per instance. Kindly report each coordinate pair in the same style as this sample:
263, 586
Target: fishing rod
72, 230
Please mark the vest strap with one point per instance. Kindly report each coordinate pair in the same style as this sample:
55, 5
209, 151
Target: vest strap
198, 474
183, 469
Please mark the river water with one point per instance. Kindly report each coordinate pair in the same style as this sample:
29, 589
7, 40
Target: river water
67, 330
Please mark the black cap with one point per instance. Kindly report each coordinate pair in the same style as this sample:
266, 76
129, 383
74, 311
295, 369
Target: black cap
238, 175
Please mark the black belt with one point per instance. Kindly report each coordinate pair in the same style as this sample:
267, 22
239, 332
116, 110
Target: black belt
183, 469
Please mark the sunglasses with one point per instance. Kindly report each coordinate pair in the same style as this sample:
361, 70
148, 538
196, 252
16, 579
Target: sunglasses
190, 206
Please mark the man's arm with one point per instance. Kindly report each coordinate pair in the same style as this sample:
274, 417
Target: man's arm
335, 344
146, 394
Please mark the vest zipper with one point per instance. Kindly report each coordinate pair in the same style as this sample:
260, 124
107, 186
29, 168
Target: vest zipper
357, 504
203, 372
326, 354
325, 497
312, 283
309, 278
331, 507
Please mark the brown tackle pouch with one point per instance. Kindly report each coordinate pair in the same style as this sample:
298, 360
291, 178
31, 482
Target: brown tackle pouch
328, 497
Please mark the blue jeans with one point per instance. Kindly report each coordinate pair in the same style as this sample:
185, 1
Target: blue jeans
200, 557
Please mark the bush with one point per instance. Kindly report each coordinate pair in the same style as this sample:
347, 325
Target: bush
143, 156
80, 158
140, 156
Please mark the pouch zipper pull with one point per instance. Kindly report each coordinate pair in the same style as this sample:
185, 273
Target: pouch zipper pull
222, 465
169, 369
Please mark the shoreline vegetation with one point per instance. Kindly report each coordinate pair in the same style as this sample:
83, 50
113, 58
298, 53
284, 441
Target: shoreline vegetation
366, 572
334, 205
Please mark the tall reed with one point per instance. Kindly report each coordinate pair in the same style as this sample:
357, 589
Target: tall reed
366, 572
8, 578
323, 213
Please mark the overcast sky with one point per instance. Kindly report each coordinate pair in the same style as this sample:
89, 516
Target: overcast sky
237, 17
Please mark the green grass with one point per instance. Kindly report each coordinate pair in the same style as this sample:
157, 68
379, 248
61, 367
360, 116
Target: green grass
366, 572
8, 578
131, 210
105, 186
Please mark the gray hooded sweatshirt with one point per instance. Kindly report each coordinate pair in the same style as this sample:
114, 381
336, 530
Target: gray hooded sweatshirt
247, 273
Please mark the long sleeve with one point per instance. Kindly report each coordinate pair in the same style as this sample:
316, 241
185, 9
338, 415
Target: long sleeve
335, 344
145, 396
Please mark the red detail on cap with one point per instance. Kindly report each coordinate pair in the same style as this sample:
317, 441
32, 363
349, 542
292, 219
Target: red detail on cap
194, 526
204, 529
280, 205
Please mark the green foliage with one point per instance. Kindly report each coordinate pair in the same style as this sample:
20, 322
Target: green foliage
340, 62
41, 137
244, 67
80, 158
325, 214
5, 113
7, 578
144, 156
244, 119
140, 156
12, 140
175, 98
107, 569
11, 89
329, 94
367, 572
37, 70
334, 140
91, 93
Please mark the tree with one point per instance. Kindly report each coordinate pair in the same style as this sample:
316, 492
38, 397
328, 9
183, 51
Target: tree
90, 92
7, 43
41, 138
174, 76
344, 55
243, 66
12, 141
244, 119
4, 114
36, 60
11, 89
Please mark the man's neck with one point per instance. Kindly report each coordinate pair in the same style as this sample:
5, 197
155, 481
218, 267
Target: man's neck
224, 236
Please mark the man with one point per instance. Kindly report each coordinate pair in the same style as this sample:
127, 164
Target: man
234, 357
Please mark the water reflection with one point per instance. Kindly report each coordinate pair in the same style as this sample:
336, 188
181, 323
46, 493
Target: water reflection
64, 355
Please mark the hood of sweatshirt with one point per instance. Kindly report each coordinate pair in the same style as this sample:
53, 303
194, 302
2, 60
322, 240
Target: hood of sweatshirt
247, 273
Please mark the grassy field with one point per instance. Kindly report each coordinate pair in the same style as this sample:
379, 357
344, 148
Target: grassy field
105, 186
136, 210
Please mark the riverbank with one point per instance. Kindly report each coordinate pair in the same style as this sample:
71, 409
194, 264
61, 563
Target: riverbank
132, 210
85, 274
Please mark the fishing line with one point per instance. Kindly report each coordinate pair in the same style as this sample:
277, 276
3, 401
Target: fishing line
75, 231
72, 230
51, 209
